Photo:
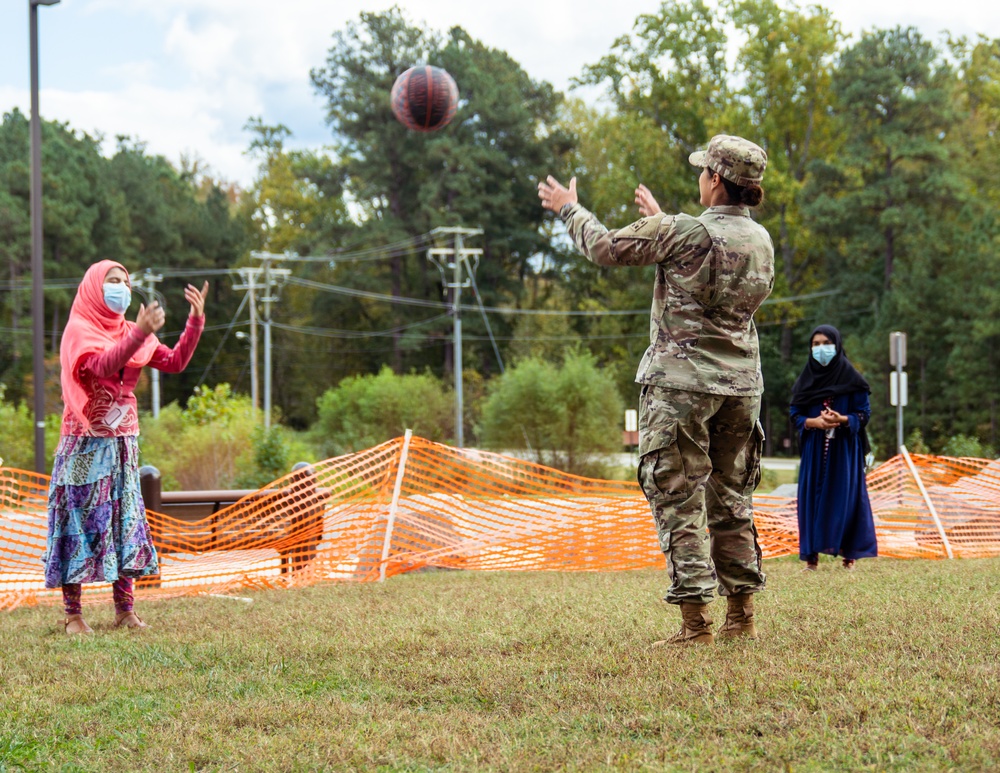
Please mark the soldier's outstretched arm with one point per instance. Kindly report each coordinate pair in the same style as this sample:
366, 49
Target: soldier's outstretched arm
633, 245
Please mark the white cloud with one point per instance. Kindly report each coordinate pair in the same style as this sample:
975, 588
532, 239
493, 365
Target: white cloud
172, 123
210, 65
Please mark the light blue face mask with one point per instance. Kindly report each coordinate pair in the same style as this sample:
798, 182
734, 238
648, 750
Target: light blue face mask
117, 296
824, 353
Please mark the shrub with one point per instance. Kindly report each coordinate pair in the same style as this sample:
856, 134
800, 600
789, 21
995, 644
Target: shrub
274, 452
364, 411
17, 440
916, 444
216, 442
964, 445
568, 417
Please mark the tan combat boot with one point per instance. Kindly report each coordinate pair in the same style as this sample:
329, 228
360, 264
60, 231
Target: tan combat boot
739, 618
696, 626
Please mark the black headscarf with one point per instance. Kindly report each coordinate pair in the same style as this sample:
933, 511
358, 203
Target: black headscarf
817, 382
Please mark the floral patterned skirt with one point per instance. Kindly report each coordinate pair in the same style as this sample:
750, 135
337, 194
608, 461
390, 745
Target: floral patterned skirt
97, 520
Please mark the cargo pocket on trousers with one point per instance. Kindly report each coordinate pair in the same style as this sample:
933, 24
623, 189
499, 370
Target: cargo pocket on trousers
661, 473
755, 450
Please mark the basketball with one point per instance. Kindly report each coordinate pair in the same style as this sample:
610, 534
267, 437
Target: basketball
424, 98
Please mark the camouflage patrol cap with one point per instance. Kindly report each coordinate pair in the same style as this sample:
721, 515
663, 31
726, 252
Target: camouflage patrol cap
738, 160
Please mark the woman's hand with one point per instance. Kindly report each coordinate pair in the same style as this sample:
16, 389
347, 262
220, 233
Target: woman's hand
150, 319
821, 422
196, 298
832, 416
555, 195
647, 204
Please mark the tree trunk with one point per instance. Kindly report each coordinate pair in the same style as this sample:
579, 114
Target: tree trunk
15, 308
889, 235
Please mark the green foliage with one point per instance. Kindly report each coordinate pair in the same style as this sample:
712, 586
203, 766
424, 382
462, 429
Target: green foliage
209, 405
17, 442
275, 451
480, 171
566, 416
217, 442
963, 445
881, 197
364, 411
133, 207
915, 442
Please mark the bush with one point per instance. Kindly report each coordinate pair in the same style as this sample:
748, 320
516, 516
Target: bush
916, 444
568, 417
216, 442
17, 440
964, 445
274, 452
364, 411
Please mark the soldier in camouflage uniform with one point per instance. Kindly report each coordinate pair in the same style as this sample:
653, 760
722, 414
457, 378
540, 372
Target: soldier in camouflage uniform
699, 435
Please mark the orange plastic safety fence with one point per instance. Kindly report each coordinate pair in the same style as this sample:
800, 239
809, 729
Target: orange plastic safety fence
366, 516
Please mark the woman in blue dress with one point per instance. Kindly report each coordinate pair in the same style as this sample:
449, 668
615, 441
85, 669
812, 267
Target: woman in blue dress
830, 409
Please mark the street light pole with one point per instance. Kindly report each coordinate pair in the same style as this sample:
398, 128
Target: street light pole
37, 279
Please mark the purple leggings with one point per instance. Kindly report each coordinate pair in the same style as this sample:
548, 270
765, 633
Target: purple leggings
121, 588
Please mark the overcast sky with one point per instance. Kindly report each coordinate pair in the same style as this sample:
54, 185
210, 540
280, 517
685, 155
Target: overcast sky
185, 75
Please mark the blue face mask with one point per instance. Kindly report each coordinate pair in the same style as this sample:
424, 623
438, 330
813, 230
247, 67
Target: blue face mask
117, 296
824, 353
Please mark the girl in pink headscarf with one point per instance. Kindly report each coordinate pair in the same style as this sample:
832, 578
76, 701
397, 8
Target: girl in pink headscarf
97, 520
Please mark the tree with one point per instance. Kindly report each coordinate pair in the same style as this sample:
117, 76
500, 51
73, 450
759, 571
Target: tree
135, 208
568, 416
889, 210
366, 410
479, 171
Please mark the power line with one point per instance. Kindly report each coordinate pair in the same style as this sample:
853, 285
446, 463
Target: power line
383, 252
218, 349
72, 284
339, 333
486, 320
406, 301
350, 292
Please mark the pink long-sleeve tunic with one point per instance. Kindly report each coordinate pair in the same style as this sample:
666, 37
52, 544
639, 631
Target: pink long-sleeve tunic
109, 382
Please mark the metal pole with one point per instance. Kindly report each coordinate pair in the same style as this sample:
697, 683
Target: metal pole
267, 344
898, 343
254, 392
459, 412
37, 278
151, 279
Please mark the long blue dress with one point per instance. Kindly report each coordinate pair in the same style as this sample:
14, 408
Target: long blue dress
835, 516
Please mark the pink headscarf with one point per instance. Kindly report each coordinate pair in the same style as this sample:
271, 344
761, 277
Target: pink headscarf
92, 329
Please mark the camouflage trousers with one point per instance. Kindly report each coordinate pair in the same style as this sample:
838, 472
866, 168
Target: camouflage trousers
700, 462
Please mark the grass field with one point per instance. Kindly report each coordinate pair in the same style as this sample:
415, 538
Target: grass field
893, 667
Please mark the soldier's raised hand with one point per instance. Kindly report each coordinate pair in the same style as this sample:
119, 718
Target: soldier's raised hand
647, 204
555, 195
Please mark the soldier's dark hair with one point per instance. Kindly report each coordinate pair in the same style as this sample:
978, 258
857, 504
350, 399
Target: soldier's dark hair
751, 195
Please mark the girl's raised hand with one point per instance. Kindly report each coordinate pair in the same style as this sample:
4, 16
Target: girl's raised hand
196, 298
151, 318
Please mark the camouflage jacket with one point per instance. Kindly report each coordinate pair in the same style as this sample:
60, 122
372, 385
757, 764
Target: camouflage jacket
712, 273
